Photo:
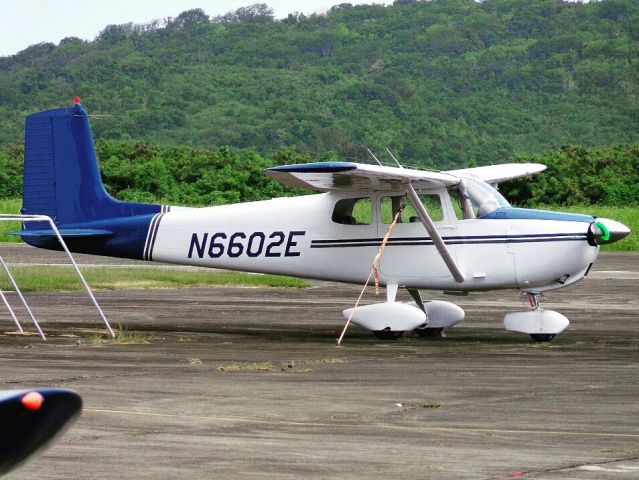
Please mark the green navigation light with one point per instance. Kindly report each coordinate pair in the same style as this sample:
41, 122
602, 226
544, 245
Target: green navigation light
605, 233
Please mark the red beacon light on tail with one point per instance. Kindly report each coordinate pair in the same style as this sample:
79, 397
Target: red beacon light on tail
76, 100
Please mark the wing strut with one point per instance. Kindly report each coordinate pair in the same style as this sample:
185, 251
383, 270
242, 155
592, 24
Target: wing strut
434, 235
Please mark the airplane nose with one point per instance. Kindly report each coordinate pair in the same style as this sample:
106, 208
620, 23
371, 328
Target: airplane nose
604, 231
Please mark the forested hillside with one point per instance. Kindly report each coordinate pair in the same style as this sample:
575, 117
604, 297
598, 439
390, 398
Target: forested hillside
198, 177
441, 83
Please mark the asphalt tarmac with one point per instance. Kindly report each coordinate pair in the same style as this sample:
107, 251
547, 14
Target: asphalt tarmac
248, 383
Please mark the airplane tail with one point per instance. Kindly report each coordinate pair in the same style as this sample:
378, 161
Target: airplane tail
62, 180
61, 175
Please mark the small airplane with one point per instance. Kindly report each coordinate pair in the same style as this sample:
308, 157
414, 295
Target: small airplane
452, 230
31, 419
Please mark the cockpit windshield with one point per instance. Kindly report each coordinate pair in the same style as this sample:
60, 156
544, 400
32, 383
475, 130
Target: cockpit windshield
478, 198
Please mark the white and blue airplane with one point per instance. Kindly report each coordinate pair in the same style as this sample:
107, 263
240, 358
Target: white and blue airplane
454, 231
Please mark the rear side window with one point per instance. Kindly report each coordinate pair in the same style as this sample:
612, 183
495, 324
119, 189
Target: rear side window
353, 211
390, 205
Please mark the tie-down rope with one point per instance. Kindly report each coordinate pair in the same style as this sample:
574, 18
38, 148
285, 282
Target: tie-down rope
374, 270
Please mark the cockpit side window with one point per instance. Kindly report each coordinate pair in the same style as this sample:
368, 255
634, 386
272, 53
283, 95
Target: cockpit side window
389, 206
474, 198
353, 211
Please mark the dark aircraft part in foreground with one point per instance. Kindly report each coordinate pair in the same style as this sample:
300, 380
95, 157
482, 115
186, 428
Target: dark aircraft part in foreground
29, 419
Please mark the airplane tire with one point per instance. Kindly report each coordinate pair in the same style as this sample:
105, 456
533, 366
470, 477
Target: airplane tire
542, 337
428, 332
388, 334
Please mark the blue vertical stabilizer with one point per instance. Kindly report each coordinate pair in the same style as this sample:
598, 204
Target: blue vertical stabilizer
62, 180
61, 176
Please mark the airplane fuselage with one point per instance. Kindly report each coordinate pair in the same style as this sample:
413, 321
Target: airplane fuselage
297, 236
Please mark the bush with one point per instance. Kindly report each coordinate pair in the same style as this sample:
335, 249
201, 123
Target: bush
580, 176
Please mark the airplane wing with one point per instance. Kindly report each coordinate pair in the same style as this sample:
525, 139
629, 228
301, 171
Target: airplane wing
326, 176
500, 173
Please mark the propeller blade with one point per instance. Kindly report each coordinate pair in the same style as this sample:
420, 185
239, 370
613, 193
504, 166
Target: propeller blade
29, 419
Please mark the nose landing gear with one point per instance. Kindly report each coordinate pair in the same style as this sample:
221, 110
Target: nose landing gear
533, 301
542, 325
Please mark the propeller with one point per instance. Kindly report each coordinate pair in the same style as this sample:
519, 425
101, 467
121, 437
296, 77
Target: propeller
604, 231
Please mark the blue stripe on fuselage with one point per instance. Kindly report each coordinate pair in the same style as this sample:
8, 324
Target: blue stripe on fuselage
452, 240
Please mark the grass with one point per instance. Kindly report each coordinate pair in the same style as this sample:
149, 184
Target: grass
326, 360
268, 366
629, 216
246, 367
122, 337
10, 205
64, 278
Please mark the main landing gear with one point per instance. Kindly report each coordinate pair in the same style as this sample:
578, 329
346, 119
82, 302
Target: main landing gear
423, 330
438, 315
389, 320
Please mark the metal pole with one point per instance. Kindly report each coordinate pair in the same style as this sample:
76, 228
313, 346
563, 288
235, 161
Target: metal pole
24, 302
48, 219
13, 315
77, 269
468, 208
434, 235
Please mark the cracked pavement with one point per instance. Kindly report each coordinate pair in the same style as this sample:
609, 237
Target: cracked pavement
248, 382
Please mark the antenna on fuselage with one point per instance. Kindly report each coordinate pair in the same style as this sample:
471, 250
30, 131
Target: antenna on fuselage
393, 157
373, 155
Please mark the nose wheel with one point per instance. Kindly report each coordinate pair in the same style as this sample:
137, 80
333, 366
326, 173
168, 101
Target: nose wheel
542, 337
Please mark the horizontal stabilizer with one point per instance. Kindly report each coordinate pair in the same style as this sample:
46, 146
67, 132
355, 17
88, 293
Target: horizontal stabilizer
65, 232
